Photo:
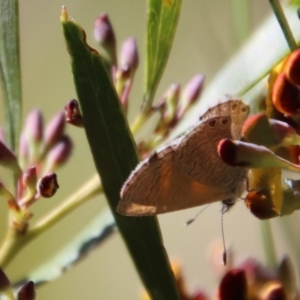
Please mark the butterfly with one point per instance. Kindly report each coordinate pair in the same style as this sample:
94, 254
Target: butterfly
188, 172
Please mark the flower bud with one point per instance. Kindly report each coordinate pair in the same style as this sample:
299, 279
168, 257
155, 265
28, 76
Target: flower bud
287, 275
34, 126
2, 135
285, 96
190, 95
171, 101
260, 130
29, 180
260, 203
248, 155
273, 290
23, 151
47, 185
33, 131
129, 55
73, 113
233, 285
4, 281
26, 291
55, 129
292, 67
8, 159
59, 154
105, 36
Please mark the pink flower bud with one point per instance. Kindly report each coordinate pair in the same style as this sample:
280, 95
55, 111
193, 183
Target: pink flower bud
55, 129
59, 154
190, 94
171, 100
26, 291
34, 126
23, 151
73, 113
129, 55
47, 185
8, 159
29, 180
105, 36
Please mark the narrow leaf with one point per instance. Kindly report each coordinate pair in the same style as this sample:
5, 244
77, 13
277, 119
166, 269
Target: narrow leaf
114, 154
161, 27
10, 70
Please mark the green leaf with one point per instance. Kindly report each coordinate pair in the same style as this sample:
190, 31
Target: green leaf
10, 70
115, 155
161, 27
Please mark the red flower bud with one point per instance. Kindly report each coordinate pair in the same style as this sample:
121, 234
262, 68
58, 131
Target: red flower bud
26, 291
286, 96
292, 67
47, 185
73, 114
4, 281
233, 285
261, 204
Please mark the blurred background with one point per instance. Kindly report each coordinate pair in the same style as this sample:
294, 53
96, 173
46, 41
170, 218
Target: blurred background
205, 39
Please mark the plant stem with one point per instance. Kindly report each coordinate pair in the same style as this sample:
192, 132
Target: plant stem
268, 243
13, 243
240, 15
278, 11
11, 246
85, 193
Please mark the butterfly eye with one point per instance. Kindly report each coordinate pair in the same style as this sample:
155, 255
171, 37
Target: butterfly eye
212, 123
245, 109
224, 121
234, 106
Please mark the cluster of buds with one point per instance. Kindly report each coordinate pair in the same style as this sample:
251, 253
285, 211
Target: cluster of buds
25, 292
124, 71
271, 141
173, 104
172, 107
41, 152
247, 280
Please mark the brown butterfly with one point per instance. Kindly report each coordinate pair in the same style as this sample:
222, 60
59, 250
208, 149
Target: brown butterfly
188, 172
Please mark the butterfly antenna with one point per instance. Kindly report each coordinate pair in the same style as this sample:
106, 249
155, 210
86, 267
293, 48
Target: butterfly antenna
190, 221
223, 238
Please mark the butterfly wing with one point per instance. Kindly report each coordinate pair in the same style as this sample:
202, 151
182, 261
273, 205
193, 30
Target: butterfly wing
156, 186
196, 157
188, 172
236, 109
